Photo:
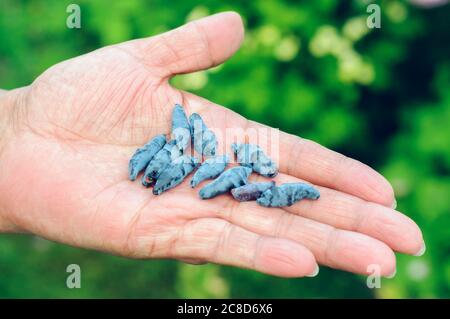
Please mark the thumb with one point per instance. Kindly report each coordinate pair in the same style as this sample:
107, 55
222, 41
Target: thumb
195, 46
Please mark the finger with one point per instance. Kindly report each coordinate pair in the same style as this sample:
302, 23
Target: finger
218, 241
348, 212
332, 247
197, 45
310, 161
300, 157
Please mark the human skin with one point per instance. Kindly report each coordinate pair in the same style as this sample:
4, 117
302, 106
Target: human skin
65, 142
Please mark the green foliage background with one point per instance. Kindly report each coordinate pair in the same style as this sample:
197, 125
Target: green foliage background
311, 68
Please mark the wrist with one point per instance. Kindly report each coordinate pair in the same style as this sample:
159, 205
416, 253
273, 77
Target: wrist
8, 104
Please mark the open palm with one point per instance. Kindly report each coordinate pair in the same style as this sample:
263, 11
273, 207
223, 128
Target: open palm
74, 129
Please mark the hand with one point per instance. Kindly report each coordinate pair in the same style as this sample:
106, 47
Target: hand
63, 172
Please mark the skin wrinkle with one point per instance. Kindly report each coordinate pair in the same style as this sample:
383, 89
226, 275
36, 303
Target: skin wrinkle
133, 122
165, 42
189, 222
118, 91
386, 223
148, 92
338, 174
360, 219
152, 49
58, 140
196, 229
34, 89
378, 224
204, 39
96, 213
341, 217
136, 83
313, 238
185, 223
8, 110
222, 242
131, 230
347, 164
108, 188
230, 210
330, 243
338, 214
186, 98
257, 253
98, 98
83, 137
179, 236
56, 135
6, 126
156, 70
283, 225
20, 112
126, 111
142, 60
153, 124
107, 106
294, 155
283, 257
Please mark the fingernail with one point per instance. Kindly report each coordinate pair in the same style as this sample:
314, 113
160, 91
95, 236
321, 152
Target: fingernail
392, 275
421, 251
394, 204
315, 272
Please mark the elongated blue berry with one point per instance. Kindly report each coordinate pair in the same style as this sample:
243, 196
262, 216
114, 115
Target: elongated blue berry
181, 130
160, 161
204, 140
144, 155
251, 191
175, 173
210, 168
253, 156
231, 178
287, 194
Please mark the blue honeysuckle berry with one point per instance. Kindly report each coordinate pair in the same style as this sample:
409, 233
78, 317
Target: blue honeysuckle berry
144, 155
181, 130
231, 178
287, 194
253, 156
251, 191
210, 168
204, 140
175, 173
160, 161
